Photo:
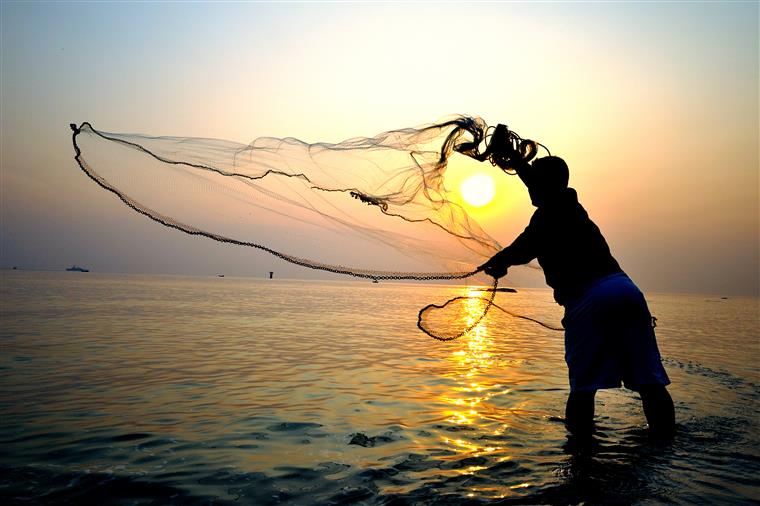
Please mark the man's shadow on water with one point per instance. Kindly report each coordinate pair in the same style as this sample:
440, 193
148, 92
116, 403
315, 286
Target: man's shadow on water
633, 465
600, 470
618, 470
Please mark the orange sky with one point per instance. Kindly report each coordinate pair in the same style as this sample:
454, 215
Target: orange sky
654, 106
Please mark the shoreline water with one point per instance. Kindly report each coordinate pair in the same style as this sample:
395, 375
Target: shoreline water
145, 388
349, 279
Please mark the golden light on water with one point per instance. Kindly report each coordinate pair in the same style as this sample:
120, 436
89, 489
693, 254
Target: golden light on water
479, 420
473, 358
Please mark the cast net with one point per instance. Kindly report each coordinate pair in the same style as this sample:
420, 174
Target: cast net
369, 207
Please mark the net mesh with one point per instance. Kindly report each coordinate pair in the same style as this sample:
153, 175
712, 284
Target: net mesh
363, 207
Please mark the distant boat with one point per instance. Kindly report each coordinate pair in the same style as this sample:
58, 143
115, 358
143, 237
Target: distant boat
76, 268
220, 275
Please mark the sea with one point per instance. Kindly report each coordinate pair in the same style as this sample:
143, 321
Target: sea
131, 389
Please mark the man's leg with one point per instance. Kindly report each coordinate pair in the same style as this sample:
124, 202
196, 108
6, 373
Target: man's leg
579, 412
658, 408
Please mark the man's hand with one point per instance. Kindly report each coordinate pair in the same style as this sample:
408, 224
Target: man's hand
495, 267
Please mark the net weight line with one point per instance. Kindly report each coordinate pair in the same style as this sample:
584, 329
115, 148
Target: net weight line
475, 323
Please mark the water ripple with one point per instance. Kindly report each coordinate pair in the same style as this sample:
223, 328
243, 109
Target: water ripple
199, 390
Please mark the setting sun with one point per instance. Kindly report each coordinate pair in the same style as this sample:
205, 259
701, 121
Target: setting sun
478, 190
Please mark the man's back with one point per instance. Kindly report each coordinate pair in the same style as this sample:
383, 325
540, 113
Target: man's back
569, 246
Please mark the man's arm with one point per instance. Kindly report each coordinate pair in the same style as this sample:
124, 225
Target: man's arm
518, 164
521, 251
524, 171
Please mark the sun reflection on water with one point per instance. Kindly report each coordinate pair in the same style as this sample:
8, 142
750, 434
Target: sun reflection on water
472, 359
477, 417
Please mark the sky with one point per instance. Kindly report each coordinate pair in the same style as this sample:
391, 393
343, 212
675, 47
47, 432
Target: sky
653, 105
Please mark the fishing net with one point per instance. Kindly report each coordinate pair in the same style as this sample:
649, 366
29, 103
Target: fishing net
369, 207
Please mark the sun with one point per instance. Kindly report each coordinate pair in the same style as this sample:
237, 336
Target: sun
478, 190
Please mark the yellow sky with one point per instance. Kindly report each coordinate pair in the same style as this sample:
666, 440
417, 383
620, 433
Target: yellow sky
654, 106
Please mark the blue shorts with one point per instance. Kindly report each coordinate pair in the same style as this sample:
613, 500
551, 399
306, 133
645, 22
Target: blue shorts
609, 338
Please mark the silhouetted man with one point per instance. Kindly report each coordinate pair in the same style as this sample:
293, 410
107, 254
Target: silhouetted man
609, 334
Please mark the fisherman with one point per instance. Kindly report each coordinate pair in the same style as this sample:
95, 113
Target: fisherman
609, 331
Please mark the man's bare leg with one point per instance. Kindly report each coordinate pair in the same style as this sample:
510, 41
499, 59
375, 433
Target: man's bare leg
659, 410
579, 413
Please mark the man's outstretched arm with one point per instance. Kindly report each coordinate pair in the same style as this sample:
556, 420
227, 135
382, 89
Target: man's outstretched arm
521, 251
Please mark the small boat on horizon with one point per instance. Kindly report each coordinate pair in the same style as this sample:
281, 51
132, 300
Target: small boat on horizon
76, 268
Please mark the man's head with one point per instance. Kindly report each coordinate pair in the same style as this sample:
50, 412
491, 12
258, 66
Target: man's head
546, 178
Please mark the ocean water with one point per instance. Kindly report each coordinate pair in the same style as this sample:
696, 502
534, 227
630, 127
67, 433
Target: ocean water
118, 389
